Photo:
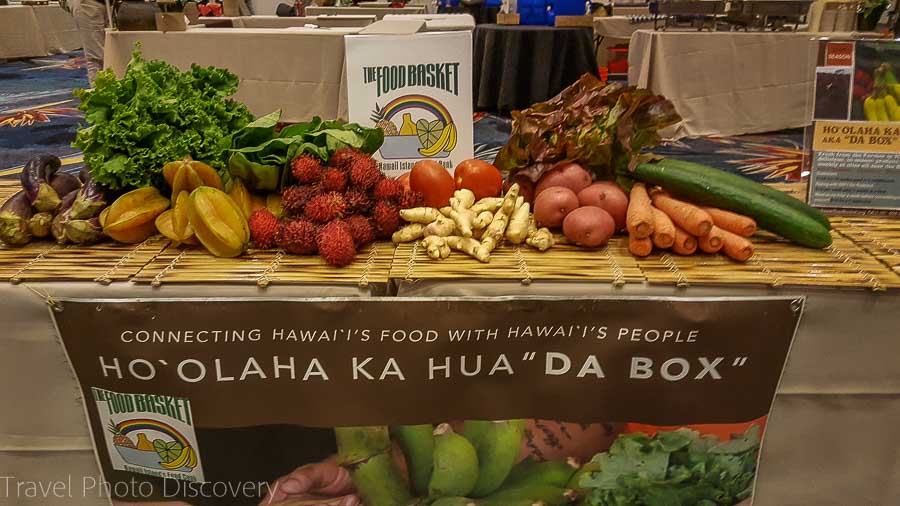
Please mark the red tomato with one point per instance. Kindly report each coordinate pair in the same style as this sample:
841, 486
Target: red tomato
404, 180
481, 177
433, 180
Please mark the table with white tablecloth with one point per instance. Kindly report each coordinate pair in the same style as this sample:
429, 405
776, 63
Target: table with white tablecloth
378, 12
298, 70
728, 83
31, 31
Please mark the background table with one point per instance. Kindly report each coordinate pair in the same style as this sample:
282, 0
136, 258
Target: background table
516, 66
378, 12
298, 70
40, 30
728, 83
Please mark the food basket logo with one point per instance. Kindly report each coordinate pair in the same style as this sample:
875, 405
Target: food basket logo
415, 126
156, 437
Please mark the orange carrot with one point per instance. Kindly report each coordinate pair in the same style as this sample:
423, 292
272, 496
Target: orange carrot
639, 247
711, 242
639, 217
736, 247
732, 222
691, 218
685, 243
663, 230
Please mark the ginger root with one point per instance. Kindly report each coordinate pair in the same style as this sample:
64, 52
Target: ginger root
423, 215
461, 212
440, 227
436, 247
495, 232
541, 239
465, 198
490, 204
409, 233
483, 220
518, 228
468, 246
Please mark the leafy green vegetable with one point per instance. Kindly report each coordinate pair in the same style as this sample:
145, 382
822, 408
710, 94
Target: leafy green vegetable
679, 468
603, 128
259, 153
156, 114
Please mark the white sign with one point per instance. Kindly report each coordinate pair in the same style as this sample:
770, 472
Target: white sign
150, 434
418, 89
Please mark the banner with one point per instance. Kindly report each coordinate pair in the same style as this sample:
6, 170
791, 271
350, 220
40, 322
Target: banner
211, 400
855, 139
418, 89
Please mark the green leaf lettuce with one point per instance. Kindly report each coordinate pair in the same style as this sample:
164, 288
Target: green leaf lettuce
156, 114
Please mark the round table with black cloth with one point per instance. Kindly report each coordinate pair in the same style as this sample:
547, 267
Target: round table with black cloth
516, 66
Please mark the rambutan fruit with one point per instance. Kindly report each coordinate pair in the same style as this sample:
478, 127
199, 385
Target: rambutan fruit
263, 228
361, 229
343, 158
410, 199
295, 198
388, 189
306, 169
335, 244
386, 217
334, 180
297, 237
325, 207
364, 173
358, 202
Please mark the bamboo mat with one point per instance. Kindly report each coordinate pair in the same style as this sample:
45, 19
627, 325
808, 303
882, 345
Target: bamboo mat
104, 263
880, 237
865, 254
265, 267
776, 263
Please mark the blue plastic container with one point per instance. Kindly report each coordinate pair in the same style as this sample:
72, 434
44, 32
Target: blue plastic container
544, 12
534, 12
568, 7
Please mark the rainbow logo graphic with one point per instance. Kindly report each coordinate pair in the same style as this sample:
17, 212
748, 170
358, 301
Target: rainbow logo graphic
168, 449
415, 126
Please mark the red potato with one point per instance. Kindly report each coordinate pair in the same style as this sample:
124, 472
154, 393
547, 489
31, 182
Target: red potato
570, 175
589, 226
609, 197
553, 205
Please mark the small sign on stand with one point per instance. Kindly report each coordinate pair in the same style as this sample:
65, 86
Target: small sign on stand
854, 143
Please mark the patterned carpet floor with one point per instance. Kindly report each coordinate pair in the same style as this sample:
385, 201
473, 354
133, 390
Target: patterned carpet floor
39, 115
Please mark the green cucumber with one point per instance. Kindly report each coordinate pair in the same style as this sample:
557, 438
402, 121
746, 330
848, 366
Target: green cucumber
750, 185
717, 190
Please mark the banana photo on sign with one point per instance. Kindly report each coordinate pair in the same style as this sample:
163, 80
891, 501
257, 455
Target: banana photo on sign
418, 90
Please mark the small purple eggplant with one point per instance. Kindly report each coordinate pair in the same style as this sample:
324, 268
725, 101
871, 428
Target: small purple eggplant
64, 183
35, 180
14, 216
58, 226
84, 231
91, 199
39, 225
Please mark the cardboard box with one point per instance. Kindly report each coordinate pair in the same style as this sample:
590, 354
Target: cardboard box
575, 21
507, 19
171, 22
